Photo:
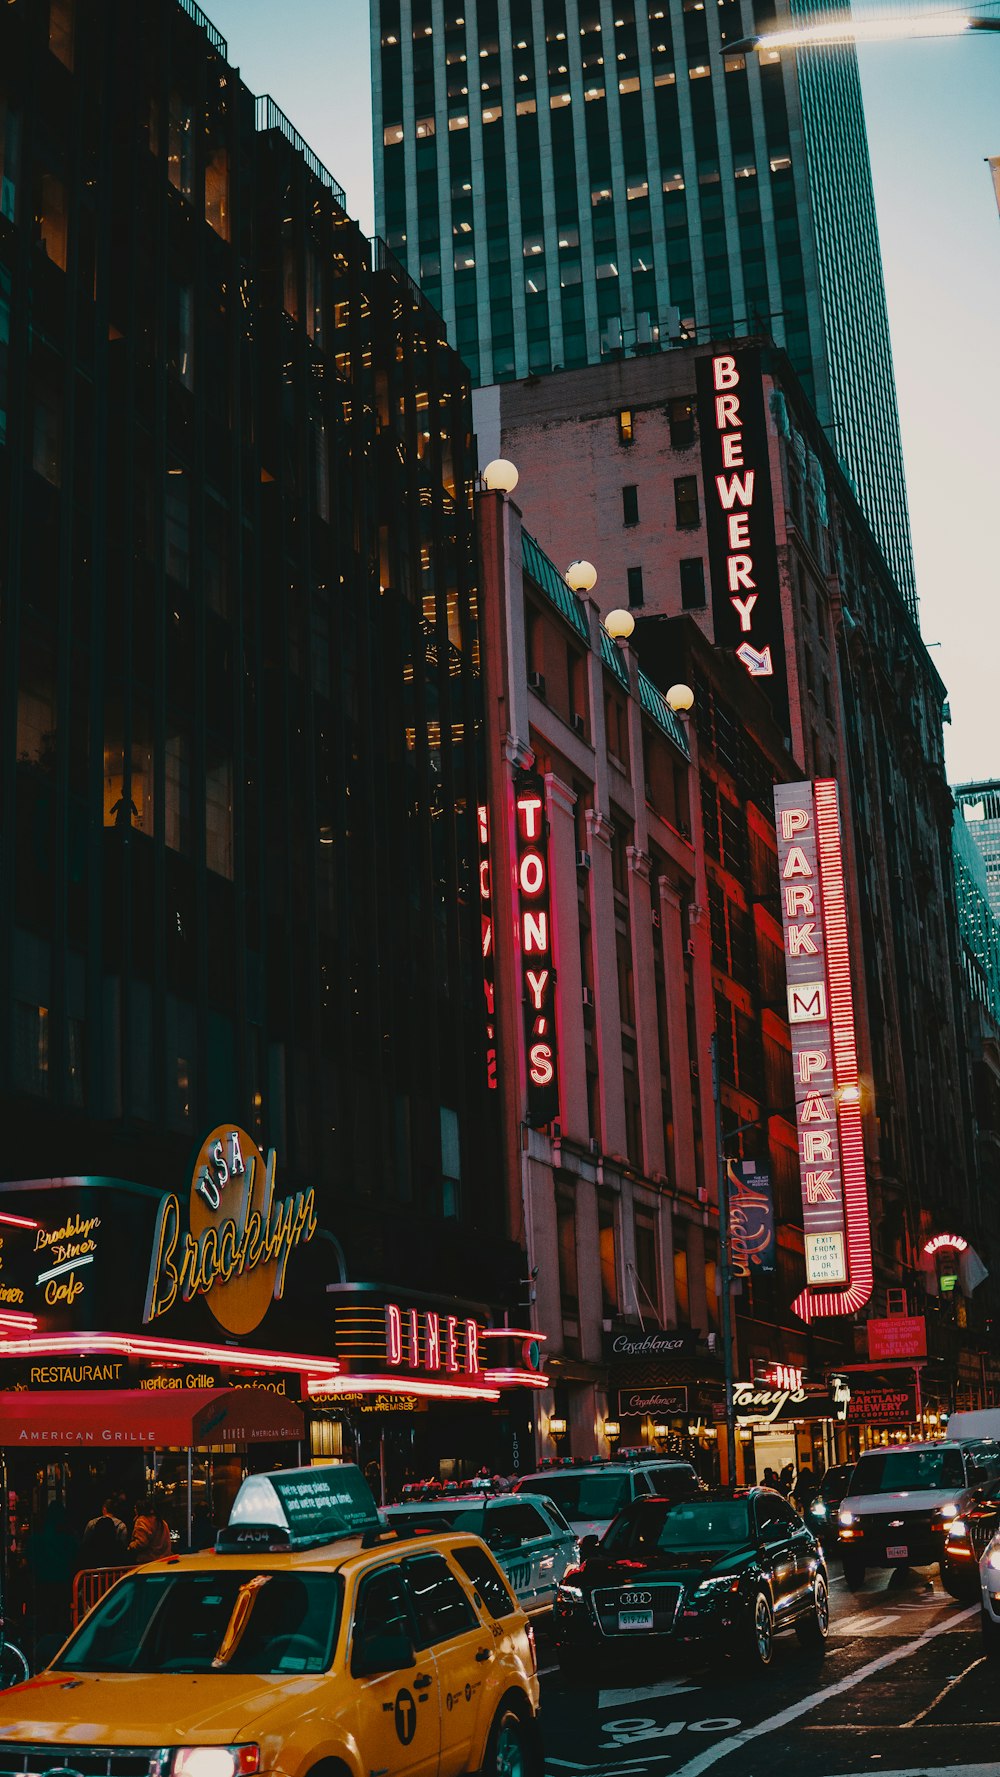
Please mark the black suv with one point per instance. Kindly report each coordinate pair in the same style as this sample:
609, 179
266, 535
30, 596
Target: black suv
726, 1570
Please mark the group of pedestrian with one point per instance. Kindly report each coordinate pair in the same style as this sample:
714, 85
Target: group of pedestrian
108, 1543
801, 1489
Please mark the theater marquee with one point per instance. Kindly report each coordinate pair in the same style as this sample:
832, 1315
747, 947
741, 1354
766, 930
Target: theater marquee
824, 1050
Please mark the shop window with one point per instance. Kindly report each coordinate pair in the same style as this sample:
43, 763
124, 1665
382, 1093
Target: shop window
180, 146
606, 1220
61, 28
630, 505
217, 192
635, 592
219, 817
692, 583
686, 507
51, 219
680, 413
646, 1270
31, 1047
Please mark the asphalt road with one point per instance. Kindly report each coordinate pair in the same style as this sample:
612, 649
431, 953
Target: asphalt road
903, 1690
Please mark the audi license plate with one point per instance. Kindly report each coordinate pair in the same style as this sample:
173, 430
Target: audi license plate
635, 1619
897, 1552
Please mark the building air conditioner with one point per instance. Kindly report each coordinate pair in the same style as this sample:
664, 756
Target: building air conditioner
578, 723
583, 860
588, 996
536, 682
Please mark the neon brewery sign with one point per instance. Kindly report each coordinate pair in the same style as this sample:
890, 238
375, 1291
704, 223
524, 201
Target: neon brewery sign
739, 517
239, 1239
486, 925
535, 947
824, 1052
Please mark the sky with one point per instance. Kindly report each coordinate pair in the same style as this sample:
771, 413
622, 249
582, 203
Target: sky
933, 116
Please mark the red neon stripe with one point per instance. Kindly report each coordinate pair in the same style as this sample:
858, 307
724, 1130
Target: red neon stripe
166, 1351
817, 1303
450, 1391
517, 1378
17, 1221
511, 1333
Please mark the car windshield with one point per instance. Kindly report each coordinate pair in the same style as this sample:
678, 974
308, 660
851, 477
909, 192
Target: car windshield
835, 1480
582, 1496
686, 1524
906, 1471
210, 1622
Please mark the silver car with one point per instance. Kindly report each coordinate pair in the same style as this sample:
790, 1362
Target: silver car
529, 1538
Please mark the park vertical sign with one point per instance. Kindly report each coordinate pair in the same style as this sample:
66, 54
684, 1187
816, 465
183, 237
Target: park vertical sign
824, 1050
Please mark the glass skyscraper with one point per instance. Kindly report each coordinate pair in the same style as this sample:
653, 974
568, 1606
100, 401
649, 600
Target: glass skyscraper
573, 179
980, 806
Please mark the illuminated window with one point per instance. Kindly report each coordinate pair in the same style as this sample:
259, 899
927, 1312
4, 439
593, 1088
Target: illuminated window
61, 30
626, 430
392, 133
606, 1220
681, 1291
217, 192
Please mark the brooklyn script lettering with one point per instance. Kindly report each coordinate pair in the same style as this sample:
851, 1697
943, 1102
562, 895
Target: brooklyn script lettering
185, 1266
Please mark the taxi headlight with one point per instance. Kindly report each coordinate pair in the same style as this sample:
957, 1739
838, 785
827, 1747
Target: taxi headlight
215, 1761
845, 1516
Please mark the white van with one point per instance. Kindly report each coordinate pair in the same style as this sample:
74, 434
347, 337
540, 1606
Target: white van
984, 1422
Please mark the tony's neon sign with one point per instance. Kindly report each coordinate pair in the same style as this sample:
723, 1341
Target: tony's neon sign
537, 973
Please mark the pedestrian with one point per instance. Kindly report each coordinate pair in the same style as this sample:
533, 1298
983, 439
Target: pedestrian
770, 1478
806, 1488
150, 1539
786, 1478
104, 1539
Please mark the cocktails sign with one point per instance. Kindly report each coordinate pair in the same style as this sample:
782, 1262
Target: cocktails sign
824, 1050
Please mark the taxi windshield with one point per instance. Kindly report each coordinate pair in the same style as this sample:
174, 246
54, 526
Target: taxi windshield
690, 1524
582, 1496
235, 1621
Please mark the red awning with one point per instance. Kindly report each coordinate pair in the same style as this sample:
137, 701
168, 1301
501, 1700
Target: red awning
145, 1418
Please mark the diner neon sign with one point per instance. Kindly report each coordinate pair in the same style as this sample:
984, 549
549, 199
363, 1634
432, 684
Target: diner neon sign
836, 1225
535, 944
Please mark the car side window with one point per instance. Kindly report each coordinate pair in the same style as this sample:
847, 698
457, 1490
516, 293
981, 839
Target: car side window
382, 1608
507, 1526
441, 1608
641, 1484
487, 1579
775, 1519
560, 1521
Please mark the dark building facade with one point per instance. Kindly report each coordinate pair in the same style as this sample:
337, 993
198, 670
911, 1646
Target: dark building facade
571, 181
238, 766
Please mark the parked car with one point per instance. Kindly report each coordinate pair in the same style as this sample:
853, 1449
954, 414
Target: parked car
529, 1538
902, 1500
590, 1494
821, 1512
725, 1570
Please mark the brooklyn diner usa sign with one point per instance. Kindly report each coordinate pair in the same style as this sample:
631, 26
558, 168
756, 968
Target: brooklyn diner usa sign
824, 1050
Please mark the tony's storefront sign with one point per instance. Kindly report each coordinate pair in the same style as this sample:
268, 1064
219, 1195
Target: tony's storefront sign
824, 1050
535, 944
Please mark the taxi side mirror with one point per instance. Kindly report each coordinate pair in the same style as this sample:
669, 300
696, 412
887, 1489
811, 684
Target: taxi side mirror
382, 1653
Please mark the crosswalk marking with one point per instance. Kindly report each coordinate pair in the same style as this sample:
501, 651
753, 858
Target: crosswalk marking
865, 1623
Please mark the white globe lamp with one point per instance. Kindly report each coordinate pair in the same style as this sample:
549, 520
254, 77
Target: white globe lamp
500, 476
581, 576
680, 698
619, 625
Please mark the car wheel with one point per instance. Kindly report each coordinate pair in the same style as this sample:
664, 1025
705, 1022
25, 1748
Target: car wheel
813, 1631
758, 1634
854, 1573
512, 1749
990, 1633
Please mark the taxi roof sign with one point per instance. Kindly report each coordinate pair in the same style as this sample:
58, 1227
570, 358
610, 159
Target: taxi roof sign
303, 1507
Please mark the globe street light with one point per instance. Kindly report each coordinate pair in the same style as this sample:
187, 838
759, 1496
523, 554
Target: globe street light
619, 625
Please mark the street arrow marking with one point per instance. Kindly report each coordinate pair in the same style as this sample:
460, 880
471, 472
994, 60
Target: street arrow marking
758, 663
647, 1693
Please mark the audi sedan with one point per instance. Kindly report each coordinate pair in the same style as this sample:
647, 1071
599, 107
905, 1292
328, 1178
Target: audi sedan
724, 1571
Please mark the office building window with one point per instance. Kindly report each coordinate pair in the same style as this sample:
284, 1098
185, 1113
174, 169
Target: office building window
692, 583
681, 416
635, 595
686, 502
626, 429
630, 505
681, 1291
646, 1279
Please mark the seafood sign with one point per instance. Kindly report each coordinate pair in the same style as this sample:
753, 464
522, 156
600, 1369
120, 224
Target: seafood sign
751, 1219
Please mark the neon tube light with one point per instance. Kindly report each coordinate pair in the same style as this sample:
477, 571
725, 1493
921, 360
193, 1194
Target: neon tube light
10, 1221
417, 1385
166, 1351
517, 1378
511, 1333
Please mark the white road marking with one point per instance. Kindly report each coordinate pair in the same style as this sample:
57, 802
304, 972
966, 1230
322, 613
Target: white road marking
943, 1692
736, 1742
930, 1771
668, 1687
865, 1623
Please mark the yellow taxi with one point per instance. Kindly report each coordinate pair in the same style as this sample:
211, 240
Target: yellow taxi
310, 1643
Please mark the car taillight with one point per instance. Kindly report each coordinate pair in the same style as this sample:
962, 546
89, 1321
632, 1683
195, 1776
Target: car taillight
572, 1573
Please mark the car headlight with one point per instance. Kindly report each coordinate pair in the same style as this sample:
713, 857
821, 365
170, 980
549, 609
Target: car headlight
948, 1511
569, 1594
957, 1528
844, 1516
215, 1761
819, 1509
721, 1582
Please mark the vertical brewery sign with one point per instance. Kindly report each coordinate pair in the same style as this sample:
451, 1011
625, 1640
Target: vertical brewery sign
824, 1050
